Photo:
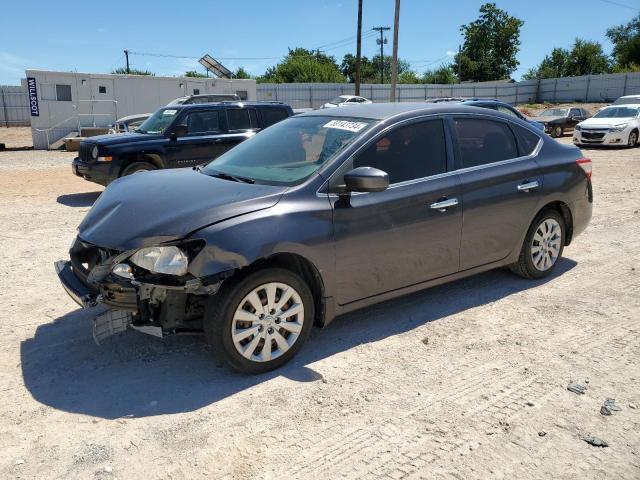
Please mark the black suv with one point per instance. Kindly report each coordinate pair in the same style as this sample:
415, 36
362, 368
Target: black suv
175, 136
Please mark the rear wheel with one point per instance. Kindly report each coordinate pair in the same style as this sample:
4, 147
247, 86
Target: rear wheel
633, 139
137, 167
260, 322
556, 132
542, 246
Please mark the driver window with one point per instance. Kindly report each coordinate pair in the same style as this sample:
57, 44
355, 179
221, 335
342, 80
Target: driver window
407, 153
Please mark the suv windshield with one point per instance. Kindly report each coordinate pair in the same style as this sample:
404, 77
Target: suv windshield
617, 112
289, 151
555, 112
159, 121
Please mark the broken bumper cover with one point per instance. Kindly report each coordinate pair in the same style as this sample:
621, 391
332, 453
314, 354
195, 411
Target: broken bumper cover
75, 288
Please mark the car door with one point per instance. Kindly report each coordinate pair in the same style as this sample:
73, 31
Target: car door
408, 233
575, 116
204, 139
501, 184
241, 124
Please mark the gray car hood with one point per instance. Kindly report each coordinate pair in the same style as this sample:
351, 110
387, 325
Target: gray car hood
155, 207
547, 119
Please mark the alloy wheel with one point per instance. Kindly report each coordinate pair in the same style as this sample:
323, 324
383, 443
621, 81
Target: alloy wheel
267, 322
633, 139
546, 244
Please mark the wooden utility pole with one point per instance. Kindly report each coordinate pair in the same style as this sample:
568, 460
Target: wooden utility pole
126, 54
381, 41
394, 62
359, 48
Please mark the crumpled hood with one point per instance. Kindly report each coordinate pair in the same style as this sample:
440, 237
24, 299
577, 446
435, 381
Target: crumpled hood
155, 207
122, 138
605, 122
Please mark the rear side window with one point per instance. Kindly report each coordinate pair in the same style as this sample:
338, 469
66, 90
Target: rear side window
527, 140
508, 111
407, 153
239, 119
202, 122
484, 141
273, 115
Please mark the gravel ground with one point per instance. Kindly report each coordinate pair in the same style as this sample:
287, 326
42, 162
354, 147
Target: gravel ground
467, 380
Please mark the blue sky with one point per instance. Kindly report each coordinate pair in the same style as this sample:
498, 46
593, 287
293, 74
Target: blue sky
90, 36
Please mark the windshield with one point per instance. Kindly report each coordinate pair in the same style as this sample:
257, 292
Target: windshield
617, 112
289, 151
338, 100
159, 121
555, 112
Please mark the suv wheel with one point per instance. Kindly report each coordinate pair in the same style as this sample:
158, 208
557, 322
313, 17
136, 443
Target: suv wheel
260, 322
542, 246
633, 139
556, 132
137, 167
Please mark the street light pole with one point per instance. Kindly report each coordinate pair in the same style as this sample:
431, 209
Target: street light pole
394, 63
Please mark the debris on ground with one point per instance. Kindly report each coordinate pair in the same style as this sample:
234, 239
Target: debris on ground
609, 407
633, 406
577, 388
595, 441
425, 340
542, 433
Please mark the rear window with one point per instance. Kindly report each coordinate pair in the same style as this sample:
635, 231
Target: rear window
527, 140
481, 142
273, 115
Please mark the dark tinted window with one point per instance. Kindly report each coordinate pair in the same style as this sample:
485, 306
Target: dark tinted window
527, 140
415, 151
102, 89
63, 93
484, 141
202, 122
273, 115
507, 110
238, 119
574, 112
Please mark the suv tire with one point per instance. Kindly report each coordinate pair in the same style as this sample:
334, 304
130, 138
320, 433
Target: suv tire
239, 332
542, 247
137, 167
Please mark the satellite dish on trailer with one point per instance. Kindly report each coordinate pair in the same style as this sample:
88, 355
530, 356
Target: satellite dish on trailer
211, 64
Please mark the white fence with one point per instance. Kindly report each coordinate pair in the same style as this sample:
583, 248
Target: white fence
589, 88
14, 106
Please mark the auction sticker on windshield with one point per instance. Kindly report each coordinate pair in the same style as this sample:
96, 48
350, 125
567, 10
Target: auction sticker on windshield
345, 125
169, 112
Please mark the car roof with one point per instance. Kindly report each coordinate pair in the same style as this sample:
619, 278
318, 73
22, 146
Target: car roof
227, 103
623, 105
383, 111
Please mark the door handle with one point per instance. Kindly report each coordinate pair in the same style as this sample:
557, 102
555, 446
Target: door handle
442, 205
525, 187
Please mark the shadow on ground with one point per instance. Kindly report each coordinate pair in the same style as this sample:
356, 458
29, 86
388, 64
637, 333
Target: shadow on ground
84, 199
139, 375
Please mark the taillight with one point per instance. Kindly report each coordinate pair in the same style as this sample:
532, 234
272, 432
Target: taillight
585, 164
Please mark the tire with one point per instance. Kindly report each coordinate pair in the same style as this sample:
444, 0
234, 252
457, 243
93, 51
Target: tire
556, 132
633, 139
230, 310
530, 264
137, 167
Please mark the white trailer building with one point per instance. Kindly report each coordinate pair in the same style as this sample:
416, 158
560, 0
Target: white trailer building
63, 102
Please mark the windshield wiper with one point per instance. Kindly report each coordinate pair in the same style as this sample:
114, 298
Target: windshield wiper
233, 178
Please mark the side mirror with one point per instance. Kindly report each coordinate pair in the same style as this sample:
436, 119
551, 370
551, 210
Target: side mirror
366, 179
178, 131
576, 119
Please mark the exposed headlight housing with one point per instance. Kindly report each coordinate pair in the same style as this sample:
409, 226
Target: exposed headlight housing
618, 128
94, 152
169, 260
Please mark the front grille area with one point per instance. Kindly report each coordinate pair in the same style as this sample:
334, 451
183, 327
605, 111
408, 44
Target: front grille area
592, 135
85, 151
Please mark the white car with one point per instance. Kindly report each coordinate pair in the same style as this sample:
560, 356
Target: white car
344, 100
628, 99
614, 125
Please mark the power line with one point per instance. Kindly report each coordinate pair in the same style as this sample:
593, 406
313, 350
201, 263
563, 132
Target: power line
620, 5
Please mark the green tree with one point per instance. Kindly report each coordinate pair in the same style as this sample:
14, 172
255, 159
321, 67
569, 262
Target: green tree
194, 74
441, 75
132, 71
370, 69
584, 58
305, 66
553, 65
490, 46
626, 44
241, 73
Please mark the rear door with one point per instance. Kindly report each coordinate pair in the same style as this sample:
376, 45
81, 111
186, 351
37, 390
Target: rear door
501, 184
241, 124
399, 237
203, 142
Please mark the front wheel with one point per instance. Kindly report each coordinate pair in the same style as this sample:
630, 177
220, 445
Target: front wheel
542, 247
138, 167
633, 139
260, 322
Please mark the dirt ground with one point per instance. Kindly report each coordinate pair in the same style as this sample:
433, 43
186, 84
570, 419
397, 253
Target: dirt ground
467, 380
16, 137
